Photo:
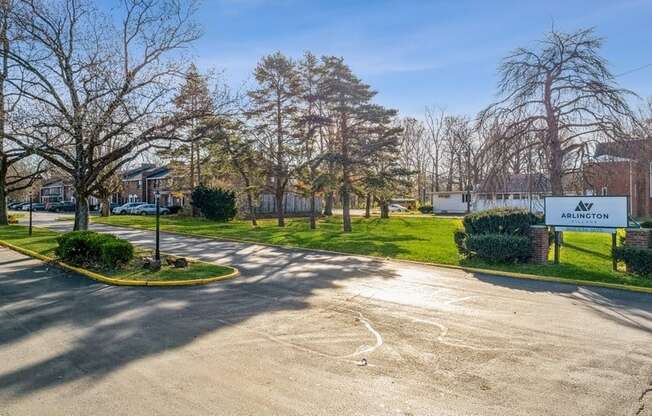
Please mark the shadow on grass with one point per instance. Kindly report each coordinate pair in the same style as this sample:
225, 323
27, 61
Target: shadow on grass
587, 251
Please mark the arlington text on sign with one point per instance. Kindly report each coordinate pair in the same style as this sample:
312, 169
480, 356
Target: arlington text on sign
587, 211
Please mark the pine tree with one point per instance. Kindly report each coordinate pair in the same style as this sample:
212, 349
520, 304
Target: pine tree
361, 127
274, 107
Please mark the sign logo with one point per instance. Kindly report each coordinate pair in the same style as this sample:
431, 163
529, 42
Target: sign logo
582, 206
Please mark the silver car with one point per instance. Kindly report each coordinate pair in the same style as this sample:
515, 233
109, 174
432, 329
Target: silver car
149, 209
126, 208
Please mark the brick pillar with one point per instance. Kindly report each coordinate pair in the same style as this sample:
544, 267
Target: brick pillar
638, 237
540, 244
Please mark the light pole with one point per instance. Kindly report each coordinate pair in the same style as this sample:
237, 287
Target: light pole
157, 253
31, 198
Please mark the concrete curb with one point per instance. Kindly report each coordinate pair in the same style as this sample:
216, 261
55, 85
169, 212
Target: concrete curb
490, 272
119, 282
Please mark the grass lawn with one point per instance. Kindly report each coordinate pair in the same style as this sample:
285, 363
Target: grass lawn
44, 242
585, 256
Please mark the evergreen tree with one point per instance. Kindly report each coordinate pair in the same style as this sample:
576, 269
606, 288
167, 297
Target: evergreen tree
274, 107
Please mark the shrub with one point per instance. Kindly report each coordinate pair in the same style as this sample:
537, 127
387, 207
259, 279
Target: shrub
82, 246
501, 221
498, 247
646, 224
214, 204
638, 260
425, 209
459, 236
12, 219
116, 252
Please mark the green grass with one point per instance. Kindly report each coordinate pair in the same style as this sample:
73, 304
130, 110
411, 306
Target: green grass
43, 241
585, 256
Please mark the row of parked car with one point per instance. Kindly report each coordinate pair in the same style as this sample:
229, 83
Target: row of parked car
139, 208
133, 208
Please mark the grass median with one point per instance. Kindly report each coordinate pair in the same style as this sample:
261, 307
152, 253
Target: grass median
44, 242
584, 257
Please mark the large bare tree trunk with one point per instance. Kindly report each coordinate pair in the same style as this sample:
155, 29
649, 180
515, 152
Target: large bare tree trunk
280, 207
328, 206
3, 190
81, 212
106, 207
313, 214
250, 204
384, 209
367, 206
346, 205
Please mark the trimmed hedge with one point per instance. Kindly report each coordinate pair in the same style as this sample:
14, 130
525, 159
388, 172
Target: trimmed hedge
425, 209
498, 247
511, 221
638, 260
646, 224
88, 247
116, 252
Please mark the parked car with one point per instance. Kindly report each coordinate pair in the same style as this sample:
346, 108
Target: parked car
150, 209
15, 205
125, 208
397, 208
36, 206
62, 207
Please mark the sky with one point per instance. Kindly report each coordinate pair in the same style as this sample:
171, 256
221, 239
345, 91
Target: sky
418, 53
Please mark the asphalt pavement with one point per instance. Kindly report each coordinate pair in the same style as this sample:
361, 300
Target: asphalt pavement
311, 333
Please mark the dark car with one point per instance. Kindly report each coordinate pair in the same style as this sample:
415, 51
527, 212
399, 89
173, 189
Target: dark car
15, 205
36, 206
62, 207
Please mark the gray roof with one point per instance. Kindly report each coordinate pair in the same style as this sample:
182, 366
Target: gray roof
517, 183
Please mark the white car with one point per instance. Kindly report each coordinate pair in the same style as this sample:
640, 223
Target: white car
126, 208
397, 208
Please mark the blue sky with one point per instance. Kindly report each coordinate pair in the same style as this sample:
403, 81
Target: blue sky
418, 53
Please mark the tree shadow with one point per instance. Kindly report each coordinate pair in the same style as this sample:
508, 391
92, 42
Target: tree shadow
121, 325
626, 308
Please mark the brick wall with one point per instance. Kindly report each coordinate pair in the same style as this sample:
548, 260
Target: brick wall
540, 244
638, 237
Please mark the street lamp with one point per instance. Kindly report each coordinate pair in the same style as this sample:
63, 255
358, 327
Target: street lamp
31, 199
157, 253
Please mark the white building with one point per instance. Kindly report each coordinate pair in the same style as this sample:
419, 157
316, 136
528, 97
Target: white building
515, 191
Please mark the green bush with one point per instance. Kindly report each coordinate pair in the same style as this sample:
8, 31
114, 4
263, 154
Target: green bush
116, 252
425, 209
214, 204
501, 221
498, 247
83, 247
459, 236
638, 260
646, 224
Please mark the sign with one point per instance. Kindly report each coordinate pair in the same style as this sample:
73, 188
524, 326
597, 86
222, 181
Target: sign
587, 211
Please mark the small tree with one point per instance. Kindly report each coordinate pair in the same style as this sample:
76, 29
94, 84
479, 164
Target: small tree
214, 203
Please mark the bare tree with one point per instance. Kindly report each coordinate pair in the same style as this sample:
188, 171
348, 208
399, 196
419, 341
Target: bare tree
434, 127
563, 92
89, 79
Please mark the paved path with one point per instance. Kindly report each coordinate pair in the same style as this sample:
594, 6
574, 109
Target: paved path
289, 335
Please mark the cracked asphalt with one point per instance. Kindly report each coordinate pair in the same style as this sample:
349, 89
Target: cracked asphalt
310, 333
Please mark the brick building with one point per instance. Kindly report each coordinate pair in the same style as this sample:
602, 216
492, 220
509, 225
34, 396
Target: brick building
623, 169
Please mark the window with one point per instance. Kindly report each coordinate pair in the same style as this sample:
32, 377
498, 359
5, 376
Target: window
499, 197
139, 184
604, 191
444, 196
466, 197
516, 196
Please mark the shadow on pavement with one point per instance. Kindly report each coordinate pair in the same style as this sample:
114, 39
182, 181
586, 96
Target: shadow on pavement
120, 325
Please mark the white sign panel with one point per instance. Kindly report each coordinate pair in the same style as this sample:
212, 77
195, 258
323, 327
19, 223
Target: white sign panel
587, 211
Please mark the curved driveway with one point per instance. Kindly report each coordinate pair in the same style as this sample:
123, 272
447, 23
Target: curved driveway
293, 335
